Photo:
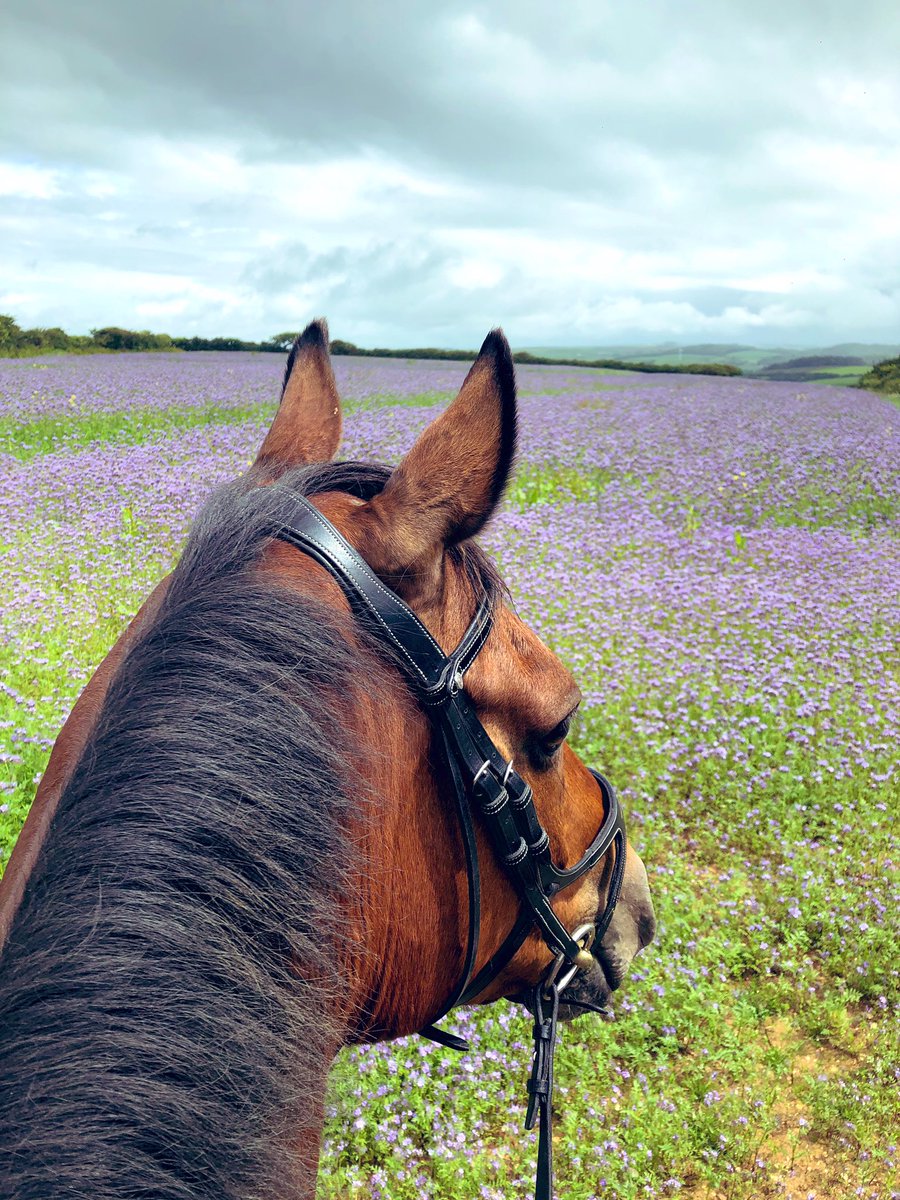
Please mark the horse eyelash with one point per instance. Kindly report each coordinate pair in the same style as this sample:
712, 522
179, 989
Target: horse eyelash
560, 732
545, 746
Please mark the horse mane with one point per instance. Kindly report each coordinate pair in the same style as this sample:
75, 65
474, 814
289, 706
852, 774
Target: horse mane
168, 979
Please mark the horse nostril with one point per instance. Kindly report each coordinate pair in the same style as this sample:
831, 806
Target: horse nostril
646, 928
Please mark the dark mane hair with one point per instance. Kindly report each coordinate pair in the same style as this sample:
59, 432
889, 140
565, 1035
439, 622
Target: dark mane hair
167, 981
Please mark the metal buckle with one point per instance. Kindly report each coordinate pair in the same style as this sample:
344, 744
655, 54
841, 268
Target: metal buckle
584, 936
485, 767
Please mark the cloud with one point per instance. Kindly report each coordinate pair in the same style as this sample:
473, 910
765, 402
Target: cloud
585, 173
26, 182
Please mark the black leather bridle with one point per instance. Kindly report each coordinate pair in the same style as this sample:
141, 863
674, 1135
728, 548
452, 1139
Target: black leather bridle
486, 785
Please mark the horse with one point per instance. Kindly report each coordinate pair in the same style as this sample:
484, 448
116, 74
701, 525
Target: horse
261, 837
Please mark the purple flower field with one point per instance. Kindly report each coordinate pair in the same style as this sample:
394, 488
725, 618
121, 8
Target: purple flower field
718, 560
31, 388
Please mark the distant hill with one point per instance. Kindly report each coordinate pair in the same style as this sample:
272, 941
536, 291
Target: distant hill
16, 342
822, 360
715, 348
842, 364
871, 351
733, 352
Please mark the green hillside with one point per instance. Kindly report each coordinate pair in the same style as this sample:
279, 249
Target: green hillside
845, 363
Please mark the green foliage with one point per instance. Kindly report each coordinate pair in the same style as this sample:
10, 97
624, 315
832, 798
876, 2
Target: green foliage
25, 440
9, 334
338, 346
282, 341
554, 484
883, 377
341, 347
220, 343
18, 342
113, 338
819, 360
620, 364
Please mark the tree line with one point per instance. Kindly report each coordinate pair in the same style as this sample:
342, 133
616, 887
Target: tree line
23, 343
16, 342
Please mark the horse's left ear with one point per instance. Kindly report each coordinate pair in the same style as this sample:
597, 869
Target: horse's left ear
307, 426
451, 480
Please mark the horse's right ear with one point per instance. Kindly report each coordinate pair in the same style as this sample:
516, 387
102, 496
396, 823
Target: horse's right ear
307, 426
450, 482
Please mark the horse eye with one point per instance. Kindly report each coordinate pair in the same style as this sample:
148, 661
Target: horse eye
557, 735
545, 746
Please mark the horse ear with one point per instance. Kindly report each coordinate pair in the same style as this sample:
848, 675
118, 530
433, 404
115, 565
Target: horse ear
450, 482
307, 426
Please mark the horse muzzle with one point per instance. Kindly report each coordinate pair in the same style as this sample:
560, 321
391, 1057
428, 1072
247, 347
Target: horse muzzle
631, 928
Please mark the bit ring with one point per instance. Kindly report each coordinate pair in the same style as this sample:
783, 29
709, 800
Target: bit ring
583, 961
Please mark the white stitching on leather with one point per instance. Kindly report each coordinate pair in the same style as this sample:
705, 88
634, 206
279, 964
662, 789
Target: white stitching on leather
372, 578
460, 655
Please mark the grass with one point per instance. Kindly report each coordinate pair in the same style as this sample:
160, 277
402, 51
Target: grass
26, 440
756, 1051
833, 376
533, 485
384, 399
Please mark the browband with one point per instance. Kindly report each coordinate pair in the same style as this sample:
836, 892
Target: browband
431, 673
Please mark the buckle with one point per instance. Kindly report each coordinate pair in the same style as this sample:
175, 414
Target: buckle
584, 936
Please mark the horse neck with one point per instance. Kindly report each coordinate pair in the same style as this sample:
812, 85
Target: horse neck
405, 905
169, 1005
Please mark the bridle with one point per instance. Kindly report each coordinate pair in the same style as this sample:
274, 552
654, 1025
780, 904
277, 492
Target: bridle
484, 783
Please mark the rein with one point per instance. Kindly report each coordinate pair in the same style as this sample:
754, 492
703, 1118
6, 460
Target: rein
484, 783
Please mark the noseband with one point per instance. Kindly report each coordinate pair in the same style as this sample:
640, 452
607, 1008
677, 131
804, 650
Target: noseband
484, 783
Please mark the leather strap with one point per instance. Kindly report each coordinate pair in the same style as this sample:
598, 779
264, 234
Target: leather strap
483, 783
432, 674
540, 1085
503, 799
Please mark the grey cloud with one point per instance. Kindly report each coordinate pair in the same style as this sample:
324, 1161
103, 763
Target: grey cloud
355, 286
368, 295
493, 91
672, 135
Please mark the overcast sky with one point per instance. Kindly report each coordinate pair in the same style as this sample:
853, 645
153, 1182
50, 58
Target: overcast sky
579, 172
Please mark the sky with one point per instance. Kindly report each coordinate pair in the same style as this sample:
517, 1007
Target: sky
581, 172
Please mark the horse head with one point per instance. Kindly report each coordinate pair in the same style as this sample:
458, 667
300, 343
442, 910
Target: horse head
415, 531
258, 832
